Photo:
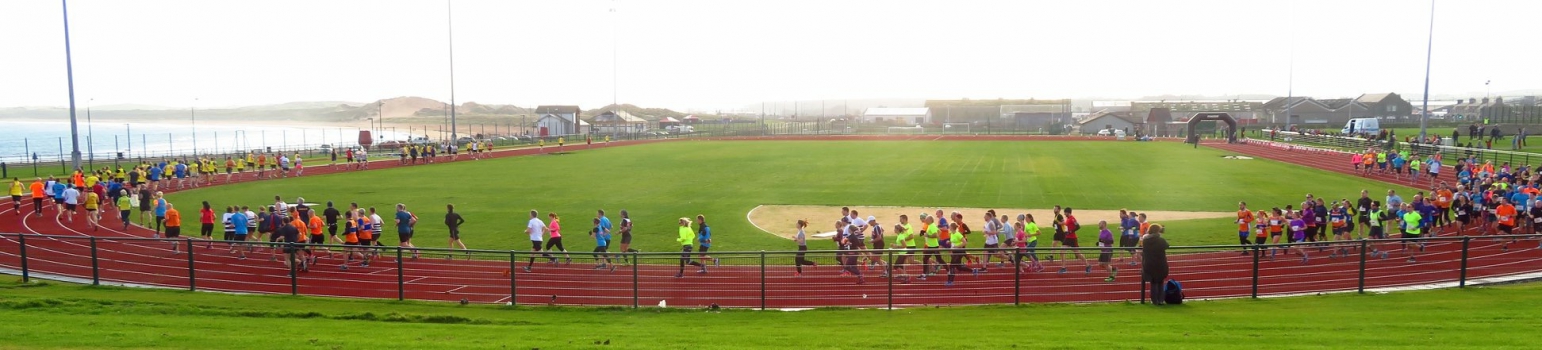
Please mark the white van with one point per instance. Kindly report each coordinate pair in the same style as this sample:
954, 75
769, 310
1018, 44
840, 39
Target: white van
1362, 125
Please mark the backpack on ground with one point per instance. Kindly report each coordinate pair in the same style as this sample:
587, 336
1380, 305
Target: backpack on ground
1174, 292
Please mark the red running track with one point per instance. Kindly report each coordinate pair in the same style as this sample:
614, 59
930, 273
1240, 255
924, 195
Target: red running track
127, 257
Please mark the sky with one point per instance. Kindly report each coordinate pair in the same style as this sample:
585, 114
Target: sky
726, 54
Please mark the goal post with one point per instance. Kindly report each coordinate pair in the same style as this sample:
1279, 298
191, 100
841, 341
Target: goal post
956, 128
906, 130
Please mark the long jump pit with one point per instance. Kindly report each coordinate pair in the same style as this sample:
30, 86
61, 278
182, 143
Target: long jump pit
782, 220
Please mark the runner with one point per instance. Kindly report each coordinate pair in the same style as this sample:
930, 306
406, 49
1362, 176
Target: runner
1364, 209
1106, 255
1071, 226
993, 238
1506, 214
686, 240
173, 221
38, 193
801, 239
1338, 220
601, 236
69, 197
314, 226
535, 229
1411, 230
877, 246
952, 241
605, 223
206, 225
405, 221
125, 204
1298, 234
91, 203
930, 232
1058, 238
1244, 218
230, 229
289, 236
704, 238
555, 230
351, 240
626, 239
238, 223
331, 215
16, 190
160, 212
367, 236
451, 219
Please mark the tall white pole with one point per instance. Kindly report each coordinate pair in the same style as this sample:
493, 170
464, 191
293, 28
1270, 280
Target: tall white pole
69, 69
1424, 116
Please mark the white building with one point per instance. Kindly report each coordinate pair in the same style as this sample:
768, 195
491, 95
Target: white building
894, 115
618, 122
559, 125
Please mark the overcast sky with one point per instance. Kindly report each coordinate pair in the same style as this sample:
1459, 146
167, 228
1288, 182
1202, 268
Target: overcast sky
716, 54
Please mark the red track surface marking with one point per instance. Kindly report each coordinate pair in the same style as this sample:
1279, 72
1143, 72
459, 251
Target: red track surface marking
125, 256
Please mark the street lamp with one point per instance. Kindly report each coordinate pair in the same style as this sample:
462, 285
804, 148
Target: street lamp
192, 112
90, 152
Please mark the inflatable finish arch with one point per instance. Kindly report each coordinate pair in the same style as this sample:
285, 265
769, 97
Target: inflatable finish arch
1231, 125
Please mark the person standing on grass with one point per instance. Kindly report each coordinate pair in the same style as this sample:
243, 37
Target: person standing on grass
1244, 218
1154, 268
704, 238
626, 238
802, 240
1106, 255
405, 221
535, 229
452, 220
173, 221
601, 237
687, 240
554, 229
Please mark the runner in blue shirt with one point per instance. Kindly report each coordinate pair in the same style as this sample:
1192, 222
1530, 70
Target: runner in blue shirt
601, 236
238, 221
605, 223
704, 236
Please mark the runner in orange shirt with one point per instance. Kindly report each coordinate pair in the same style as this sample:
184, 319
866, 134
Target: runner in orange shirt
316, 226
1443, 198
37, 196
1244, 218
174, 226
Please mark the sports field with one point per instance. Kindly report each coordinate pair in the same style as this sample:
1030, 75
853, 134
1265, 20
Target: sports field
724, 180
71, 316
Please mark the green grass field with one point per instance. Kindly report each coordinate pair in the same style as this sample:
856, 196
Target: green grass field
660, 182
70, 316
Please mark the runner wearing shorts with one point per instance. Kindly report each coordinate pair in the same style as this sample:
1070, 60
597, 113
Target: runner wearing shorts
1106, 254
1411, 230
173, 221
1298, 235
626, 238
1071, 226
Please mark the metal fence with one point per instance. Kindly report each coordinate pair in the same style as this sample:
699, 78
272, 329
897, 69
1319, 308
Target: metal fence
759, 279
1450, 154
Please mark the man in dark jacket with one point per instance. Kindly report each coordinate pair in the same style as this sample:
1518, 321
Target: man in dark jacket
1154, 265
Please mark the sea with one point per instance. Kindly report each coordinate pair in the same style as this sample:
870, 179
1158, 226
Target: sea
50, 141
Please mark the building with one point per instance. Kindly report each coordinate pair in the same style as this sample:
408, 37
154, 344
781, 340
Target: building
899, 116
1477, 110
1021, 113
618, 122
559, 125
1102, 120
1245, 111
1307, 110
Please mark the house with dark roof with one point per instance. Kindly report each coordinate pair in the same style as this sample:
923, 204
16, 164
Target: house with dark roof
1307, 110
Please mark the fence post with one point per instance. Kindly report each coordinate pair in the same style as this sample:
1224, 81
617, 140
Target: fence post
1462, 283
1257, 253
890, 267
1017, 278
1364, 244
294, 281
96, 276
192, 282
26, 274
401, 289
762, 280
514, 287
634, 278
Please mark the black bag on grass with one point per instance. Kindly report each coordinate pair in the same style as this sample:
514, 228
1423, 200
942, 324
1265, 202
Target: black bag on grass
1174, 292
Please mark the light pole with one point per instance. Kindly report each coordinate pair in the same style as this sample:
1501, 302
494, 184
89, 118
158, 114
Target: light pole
1424, 116
90, 151
69, 69
449, 16
192, 112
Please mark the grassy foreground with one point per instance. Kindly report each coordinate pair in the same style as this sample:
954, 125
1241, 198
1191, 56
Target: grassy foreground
71, 316
725, 179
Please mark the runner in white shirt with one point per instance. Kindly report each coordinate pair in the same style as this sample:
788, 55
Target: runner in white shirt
71, 201
536, 229
283, 208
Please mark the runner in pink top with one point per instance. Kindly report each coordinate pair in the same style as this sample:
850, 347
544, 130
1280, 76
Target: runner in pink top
555, 228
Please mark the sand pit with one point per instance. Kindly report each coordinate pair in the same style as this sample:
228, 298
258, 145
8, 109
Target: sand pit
781, 220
